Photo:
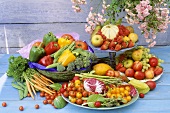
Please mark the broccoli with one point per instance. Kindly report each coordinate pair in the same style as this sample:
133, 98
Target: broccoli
60, 67
71, 66
78, 63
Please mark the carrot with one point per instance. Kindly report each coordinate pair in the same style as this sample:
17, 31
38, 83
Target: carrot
29, 89
44, 78
39, 80
49, 90
42, 89
36, 82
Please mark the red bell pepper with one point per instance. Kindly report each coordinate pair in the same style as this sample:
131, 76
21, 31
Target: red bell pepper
51, 48
46, 60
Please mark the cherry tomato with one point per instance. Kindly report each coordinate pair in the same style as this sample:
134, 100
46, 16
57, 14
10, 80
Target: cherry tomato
80, 89
45, 102
97, 104
21, 108
81, 44
141, 95
69, 89
37, 44
66, 94
85, 93
76, 78
72, 93
68, 36
42, 94
4, 104
78, 95
73, 100
79, 101
65, 85
36, 106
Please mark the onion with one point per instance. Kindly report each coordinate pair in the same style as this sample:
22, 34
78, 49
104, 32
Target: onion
94, 85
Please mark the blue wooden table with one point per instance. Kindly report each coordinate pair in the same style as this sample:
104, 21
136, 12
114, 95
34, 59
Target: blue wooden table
156, 101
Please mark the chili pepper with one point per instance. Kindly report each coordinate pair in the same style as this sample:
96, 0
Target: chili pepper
49, 38
51, 48
36, 53
46, 60
63, 42
66, 57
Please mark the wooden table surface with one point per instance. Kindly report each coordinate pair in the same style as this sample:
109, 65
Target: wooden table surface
156, 101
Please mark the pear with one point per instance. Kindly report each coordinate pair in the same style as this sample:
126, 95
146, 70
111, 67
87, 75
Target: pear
97, 28
130, 28
137, 55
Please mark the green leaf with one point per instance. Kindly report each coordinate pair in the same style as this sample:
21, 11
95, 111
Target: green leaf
93, 98
56, 86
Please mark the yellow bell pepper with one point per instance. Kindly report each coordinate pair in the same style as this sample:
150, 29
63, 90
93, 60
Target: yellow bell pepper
66, 57
63, 42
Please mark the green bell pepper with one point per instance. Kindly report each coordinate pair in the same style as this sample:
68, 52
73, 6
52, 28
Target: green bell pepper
50, 37
36, 53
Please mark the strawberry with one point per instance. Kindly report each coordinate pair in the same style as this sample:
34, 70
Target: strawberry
131, 44
118, 47
105, 45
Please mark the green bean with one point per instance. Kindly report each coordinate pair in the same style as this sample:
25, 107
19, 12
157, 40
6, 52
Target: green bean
17, 86
21, 94
52, 65
25, 92
20, 84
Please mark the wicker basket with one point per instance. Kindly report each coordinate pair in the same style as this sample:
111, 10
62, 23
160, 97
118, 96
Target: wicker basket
62, 76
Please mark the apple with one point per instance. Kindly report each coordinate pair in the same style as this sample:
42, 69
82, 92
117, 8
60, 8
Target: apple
118, 66
151, 68
97, 40
149, 74
151, 84
110, 72
158, 70
122, 69
128, 63
117, 74
153, 61
139, 75
129, 72
137, 66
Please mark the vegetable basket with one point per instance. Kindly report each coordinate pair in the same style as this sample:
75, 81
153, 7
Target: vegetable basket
62, 76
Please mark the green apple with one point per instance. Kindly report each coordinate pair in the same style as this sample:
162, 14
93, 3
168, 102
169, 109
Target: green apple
128, 63
97, 40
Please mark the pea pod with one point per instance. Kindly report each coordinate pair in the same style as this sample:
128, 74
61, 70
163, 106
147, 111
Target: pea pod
25, 91
20, 84
21, 94
17, 86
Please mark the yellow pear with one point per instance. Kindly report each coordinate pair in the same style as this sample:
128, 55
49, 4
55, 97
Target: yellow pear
97, 28
133, 37
137, 55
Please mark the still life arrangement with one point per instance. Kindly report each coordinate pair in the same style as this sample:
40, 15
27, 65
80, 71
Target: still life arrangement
63, 69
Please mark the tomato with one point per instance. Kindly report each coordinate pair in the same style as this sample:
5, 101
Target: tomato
65, 85
85, 93
110, 72
68, 36
78, 95
81, 44
66, 94
37, 44
79, 101
69, 89
80, 89
76, 78
72, 93
97, 104
73, 100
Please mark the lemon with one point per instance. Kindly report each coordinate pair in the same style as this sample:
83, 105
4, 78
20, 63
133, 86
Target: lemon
133, 37
101, 68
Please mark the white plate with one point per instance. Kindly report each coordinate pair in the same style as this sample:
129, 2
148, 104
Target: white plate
145, 80
106, 108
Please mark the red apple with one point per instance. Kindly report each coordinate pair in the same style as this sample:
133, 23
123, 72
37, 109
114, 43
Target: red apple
122, 69
110, 72
153, 61
129, 72
118, 66
139, 75
97, 40
151, 84
137, 66
151, 68
149, 74
158, 70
